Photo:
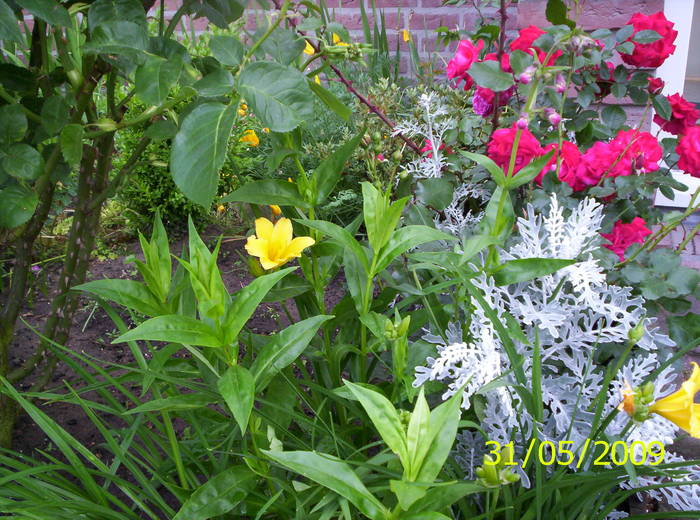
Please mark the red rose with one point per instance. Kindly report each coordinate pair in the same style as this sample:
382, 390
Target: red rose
688, 149
524, 42
501, 146
594, 163
655, 86
467, 53
624, 235
683, 115
484, 98
570, 158
428, 147
655, 53
505, 60
636, 153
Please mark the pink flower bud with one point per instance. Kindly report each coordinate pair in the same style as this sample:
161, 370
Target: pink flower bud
522, 122
560, 84
380, 157
554, 118
526, 76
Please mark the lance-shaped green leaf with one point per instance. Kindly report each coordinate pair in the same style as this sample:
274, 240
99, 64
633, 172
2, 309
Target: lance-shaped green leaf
173, 328
333, 474
247, 300
50, 11
524, 269
283, 349
442, 431
381, 216
268, 191
199, 150
279, 95
175, 403
385, 419
444, 495
327, 174
329, 99
218, 495
497, 173
404, 239
9, 28
71, 142
529, 172
128, 293
343, 236
237, 387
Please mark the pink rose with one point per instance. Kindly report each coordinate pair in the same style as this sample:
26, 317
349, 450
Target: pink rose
688, 149
570, 158
655, 86
501, 144
638, 152
524, 42
683, 115
467, 53
652, 54
624, 235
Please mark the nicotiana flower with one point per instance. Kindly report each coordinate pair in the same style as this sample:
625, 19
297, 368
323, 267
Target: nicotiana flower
274, 244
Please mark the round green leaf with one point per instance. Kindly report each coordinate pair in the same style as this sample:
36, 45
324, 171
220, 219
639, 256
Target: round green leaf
155, 78
489, 74
9, 29
436, 193
614, 116
216, 83
71, 141
17, 205
23, 162
54, 114
199, 150
50, 11
227, 49
13, 123
279, 95
104, 11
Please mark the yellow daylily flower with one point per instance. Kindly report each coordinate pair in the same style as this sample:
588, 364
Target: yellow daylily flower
275, 210
273, 243
250, 137
338, 41
406, 35
308, 49
680, 408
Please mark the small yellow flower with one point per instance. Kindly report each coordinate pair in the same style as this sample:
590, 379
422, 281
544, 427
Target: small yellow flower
406, 36
275, 210
680, 407
338, 41
627, 404
250, 137
308, 49
317, 79
266, 130
242, 109
274, 243
221, 208
289, 179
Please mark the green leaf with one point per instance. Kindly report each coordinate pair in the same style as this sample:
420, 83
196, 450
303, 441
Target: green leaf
407, 493
529, 172
404, 239
17, 204
333, 474
155, 78
524, 269
13, 123
71, 141
268, 191
175, 403
283, 45
489, 74
474, 244
327, 174
54, 114
614, 116
557, 13
51, 11
445, 495
199, 150
284, 348
646, 36
436, 193
279, 95
247, 300
220, 12
23, 162
497, 173
624, 33
126, 38
216, 83
520, 60
218, 495
173, 328
380, 215
289, 287
9, 27
227, 49
161, 130
106, 11
237, 387
385, 419
330, 100
128, 293
495, 222
684, 330
417, 436
444, 421
662, 107
341, 235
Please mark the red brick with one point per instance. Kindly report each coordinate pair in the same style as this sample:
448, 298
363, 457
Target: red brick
354, 20
440, 18
596, 13
333, 4
394, 3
